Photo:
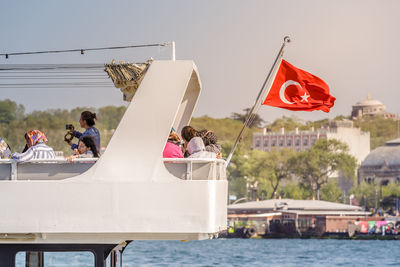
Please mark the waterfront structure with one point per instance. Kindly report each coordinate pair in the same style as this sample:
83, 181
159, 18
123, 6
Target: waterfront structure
357, 140
382, 165
299, 217
369, 107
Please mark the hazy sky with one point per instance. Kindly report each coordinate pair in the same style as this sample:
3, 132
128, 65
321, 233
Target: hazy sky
352, 45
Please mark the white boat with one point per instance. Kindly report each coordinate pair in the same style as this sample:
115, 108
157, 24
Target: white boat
130, 193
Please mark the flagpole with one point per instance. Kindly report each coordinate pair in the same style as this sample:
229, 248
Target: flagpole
260, 94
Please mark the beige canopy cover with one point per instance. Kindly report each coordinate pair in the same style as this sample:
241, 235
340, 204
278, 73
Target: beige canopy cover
127, 76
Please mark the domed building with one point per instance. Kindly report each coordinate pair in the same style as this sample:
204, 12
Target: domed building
382, 165
370, 107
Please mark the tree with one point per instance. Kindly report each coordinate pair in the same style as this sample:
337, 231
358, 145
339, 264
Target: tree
237, 171
256, 120
9, 111
295, 190
110, 116
270, 168
366, 194
331, 191
325, 158
381, 129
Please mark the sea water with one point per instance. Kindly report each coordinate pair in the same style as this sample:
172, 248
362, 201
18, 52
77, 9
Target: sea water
245, 252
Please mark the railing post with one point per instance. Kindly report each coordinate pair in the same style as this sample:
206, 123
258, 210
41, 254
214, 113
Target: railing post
189, 169
14, 171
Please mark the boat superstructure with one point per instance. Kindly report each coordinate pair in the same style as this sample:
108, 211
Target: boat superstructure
130, 192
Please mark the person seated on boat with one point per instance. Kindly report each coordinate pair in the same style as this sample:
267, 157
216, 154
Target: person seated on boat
37, 148
197, 149
187, 133
210, 140
5, 150
172, 148
86, 149
87, 122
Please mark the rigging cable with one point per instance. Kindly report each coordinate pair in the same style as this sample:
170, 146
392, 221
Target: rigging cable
82, 50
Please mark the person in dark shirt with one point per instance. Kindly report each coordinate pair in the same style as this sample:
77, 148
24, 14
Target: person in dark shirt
87, 122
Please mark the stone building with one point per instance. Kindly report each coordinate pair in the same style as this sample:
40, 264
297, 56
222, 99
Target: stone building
382, 165
357, 141
370, 107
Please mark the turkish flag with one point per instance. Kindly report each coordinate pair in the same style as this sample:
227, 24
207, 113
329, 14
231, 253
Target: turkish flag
296, 89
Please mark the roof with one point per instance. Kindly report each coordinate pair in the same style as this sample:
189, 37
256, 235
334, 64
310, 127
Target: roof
255, 215
321, 212
369, 102
292, 204
394, 142
383, 156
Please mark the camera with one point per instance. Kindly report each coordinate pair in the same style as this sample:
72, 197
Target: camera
69, 127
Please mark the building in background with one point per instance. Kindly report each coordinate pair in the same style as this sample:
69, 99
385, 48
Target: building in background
370, 108
357, 141
382, 165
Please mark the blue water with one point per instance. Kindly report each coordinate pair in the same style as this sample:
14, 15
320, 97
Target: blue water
246, 252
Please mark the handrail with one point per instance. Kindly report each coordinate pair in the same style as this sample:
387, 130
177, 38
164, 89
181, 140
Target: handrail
190, 164
83, 160
197, 160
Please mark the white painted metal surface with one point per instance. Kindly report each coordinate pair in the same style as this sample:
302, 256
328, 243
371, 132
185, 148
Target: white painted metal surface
129, 193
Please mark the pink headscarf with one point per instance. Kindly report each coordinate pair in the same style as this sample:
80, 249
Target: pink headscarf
36, 137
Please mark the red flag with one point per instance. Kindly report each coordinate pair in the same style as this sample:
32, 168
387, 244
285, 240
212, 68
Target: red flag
296, 89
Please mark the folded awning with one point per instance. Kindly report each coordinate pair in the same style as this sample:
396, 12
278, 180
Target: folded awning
127, 76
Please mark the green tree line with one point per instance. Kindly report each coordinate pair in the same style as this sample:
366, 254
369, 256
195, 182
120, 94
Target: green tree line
14, 123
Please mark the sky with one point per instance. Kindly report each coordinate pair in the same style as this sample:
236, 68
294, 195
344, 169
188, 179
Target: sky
351, 44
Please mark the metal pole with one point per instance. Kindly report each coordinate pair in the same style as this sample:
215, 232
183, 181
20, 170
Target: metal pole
263, 88
173, 50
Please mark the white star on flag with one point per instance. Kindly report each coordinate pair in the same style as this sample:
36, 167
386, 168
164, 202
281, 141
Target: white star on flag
304, 97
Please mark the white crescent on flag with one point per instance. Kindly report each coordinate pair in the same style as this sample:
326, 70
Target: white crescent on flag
283, 89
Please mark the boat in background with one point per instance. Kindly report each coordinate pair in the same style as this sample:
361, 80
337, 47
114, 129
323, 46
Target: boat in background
130, 193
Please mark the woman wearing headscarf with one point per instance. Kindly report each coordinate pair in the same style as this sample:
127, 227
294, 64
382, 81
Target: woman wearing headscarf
172, 148
196, 149
37, 148
210, 141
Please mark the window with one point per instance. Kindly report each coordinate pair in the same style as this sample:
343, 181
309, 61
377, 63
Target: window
273, 143
297, 141
257, 143
313, 139
281, 142
305, 142
289, 142
265, 142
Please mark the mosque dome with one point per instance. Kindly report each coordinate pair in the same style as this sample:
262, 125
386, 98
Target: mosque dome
370, 107
369, 102
383, 156
382, 165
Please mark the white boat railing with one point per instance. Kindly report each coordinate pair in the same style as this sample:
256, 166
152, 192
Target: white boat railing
196, 168
57, 169
10, 169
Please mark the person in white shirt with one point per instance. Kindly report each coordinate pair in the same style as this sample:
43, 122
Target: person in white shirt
37, 148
